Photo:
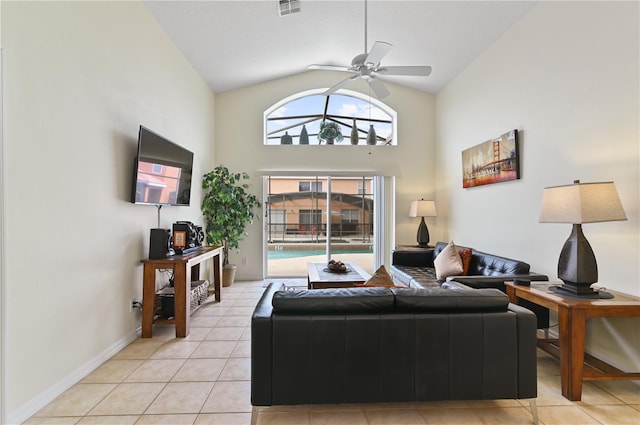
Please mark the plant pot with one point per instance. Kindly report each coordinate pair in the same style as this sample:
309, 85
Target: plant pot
228, 274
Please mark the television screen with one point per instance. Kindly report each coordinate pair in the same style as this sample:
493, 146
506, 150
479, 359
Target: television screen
162, 171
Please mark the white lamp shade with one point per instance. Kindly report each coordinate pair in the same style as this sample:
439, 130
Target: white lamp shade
581, 203
423, 208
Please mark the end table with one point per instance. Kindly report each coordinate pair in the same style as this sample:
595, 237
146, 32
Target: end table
575, 365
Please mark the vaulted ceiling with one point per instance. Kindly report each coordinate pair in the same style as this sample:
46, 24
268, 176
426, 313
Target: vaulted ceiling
237, 43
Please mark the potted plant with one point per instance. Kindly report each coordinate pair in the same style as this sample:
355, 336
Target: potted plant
330, 132
227, 208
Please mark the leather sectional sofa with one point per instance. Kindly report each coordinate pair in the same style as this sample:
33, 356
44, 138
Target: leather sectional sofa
415, 269
378, 344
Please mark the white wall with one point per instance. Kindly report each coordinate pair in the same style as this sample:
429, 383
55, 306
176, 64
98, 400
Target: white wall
80, 77
566, 76
3, 298
239, 146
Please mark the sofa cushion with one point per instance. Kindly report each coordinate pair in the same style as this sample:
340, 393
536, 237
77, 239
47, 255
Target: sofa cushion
465, 255
333, 301
450, 300
412, 276
448, 262
483, 264
380, 278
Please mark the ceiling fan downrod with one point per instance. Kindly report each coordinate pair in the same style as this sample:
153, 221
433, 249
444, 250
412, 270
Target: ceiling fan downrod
365, 27
367, 66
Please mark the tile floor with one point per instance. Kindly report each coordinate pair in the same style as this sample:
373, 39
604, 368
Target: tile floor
205, 379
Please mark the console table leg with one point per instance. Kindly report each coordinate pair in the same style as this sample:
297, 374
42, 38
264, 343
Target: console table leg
195, 272
217, 276
148, 297
182, 299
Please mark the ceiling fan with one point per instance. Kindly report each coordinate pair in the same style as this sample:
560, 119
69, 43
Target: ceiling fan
367, 66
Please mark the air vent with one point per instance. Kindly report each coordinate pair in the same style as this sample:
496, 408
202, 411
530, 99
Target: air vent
287, 7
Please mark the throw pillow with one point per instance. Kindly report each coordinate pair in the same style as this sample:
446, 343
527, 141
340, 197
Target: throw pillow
465, 255
380, 278
448, 262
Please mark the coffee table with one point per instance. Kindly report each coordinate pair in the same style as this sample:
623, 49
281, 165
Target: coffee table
318, 278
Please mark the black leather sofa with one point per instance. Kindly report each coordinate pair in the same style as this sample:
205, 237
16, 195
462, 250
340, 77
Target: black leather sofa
376, 344
415, 269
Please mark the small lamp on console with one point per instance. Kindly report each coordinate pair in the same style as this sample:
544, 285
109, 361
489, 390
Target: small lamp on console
580, 203
423, 209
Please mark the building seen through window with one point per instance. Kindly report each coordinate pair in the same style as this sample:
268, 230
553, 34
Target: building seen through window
304, 213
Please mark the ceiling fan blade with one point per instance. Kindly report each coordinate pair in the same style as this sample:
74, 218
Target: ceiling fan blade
329, 67
378, 51
420, 71
378, 88
342, 83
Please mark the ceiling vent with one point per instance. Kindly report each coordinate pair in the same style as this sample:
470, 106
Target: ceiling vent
287, 7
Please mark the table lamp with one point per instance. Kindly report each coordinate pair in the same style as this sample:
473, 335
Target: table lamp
580, 203
423, 209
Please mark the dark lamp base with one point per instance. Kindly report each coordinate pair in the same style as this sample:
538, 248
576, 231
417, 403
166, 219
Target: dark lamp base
578, 289
567, 291
577, 265
423, 234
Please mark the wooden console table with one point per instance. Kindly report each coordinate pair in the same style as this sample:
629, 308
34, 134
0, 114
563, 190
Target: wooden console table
575, 365
186, 268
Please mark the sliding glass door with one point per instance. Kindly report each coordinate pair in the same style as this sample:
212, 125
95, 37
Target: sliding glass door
318, 218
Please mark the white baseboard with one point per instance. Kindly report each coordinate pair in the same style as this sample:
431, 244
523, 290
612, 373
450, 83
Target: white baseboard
30, 408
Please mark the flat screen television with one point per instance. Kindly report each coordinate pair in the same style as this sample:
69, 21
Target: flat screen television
162, 172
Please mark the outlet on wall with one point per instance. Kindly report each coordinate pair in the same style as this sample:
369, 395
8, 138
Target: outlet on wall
244, 261
135, 304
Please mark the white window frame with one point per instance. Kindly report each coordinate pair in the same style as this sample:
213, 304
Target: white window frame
345, 92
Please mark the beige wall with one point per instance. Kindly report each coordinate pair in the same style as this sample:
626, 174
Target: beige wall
239, 146
566, 76
3, 298
80, 77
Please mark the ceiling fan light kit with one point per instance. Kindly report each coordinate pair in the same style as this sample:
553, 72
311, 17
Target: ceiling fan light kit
367, 66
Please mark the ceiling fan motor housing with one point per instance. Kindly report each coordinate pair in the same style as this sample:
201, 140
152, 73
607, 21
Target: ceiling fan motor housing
358, 61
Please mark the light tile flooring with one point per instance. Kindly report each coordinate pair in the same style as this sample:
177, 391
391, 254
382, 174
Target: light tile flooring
205, 379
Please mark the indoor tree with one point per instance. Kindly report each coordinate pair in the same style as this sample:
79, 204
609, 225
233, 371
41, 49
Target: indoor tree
227, 208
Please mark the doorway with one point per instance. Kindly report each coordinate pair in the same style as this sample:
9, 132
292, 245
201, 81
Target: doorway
319, 218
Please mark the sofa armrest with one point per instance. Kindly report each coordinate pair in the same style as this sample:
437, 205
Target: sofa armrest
479, 282
261, 351
421, 258
527, 352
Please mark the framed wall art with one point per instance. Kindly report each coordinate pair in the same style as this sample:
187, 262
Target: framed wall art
179, 239
494, 161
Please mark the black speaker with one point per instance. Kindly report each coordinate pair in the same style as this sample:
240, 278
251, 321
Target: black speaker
160, 244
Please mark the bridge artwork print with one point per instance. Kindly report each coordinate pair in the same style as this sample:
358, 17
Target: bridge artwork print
493, 161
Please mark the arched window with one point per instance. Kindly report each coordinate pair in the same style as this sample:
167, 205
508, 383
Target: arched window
310, 118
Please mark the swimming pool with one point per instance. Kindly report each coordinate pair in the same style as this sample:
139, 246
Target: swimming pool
295, 253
